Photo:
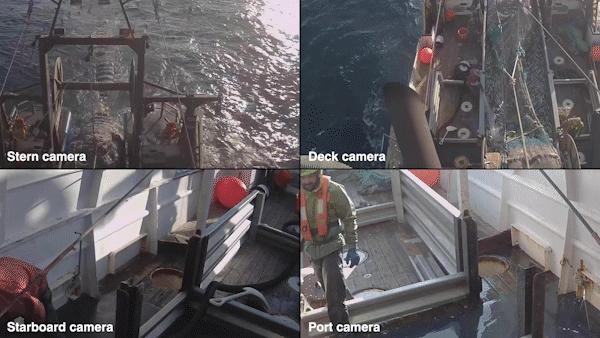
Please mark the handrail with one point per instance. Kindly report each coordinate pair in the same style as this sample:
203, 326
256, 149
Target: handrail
230, 213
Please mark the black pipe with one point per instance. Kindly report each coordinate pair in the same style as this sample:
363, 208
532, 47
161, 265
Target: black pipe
407, 116
213, 286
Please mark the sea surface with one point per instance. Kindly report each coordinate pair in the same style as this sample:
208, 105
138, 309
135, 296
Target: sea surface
349, 50
247, 50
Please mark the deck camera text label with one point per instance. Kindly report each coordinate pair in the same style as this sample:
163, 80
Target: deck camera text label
15, 156
346, 157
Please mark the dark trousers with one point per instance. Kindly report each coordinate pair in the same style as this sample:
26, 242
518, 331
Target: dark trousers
330, 274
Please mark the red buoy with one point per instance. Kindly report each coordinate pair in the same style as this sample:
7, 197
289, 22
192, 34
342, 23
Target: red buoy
450, 15
282, 178
426, 55
229, 191
462, 34
596, 53
430, 177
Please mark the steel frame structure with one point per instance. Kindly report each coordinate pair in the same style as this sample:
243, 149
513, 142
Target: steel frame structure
129, 297
52, 90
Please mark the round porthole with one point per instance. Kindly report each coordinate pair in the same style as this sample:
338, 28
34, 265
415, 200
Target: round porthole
490, 266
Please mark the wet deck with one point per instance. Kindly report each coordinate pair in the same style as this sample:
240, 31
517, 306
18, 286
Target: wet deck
496, 316
392, 249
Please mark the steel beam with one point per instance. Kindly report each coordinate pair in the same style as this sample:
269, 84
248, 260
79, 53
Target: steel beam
397, 302
96, 86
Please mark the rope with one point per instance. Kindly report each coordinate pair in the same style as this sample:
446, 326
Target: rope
14, 55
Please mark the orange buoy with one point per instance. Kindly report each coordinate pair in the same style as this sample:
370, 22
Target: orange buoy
596, 53
450, 15
430, 177
282, 178
229, 191
170, 131
462, 34
426, 55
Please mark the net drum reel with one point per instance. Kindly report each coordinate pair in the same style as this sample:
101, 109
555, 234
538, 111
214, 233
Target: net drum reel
57, 94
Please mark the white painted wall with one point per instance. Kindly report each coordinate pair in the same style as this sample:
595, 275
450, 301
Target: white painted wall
523, 199
43, 210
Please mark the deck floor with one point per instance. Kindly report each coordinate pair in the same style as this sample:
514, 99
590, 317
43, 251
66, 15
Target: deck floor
389, 246
393, 251
256, 263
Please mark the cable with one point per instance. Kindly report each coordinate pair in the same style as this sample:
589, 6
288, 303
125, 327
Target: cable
12, 61
214, 286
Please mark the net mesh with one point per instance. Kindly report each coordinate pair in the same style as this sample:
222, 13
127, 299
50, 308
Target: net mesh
517, 89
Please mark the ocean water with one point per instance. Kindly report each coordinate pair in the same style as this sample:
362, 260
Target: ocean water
247, 50
349, 50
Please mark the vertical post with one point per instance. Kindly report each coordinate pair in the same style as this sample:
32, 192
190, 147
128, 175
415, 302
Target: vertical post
191, 132
524, 298
129, 311
538, 305
44, 46
2, 137
150, 223
3, 193
471, 255
462, 185
204, 197
89, 276
567, 271
139, 47
595, 139
194, 262
259, 205
89, 191
397, 194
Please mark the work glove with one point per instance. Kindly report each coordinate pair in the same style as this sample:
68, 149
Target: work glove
352, 258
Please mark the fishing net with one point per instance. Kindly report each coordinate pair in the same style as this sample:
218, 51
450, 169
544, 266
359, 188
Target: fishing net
521, 124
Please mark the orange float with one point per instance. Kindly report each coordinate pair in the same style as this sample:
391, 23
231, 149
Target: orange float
450, 15
282, 178
425, 55
430, 177
462, 34
229, 191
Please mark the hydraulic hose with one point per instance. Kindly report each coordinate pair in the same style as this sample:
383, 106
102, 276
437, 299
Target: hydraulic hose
214, 286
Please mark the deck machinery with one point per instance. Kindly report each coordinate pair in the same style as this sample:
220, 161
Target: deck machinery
45, 128
510, 84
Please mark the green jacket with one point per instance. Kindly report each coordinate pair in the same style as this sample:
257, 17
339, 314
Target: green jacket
342, 223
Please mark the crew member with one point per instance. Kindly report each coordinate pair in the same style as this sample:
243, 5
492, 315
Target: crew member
328, 224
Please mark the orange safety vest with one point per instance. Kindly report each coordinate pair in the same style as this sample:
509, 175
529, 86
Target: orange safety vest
321, 217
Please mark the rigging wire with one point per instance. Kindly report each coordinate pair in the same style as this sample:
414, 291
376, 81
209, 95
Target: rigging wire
17, 47
168, 59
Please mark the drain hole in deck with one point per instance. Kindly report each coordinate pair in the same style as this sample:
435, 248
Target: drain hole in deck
363, 255
166, 278
490, 266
